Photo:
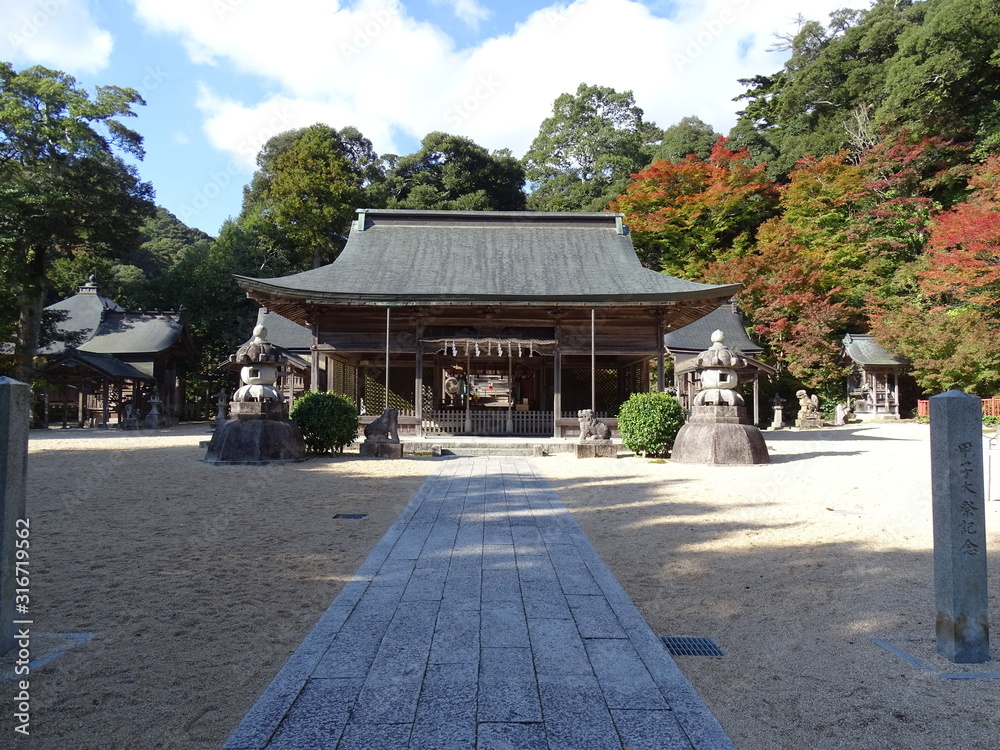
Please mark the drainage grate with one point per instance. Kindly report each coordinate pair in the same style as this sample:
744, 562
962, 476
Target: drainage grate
682, 645
351, 516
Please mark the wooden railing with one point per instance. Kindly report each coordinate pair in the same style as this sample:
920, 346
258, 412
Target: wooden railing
488, 422
991, 407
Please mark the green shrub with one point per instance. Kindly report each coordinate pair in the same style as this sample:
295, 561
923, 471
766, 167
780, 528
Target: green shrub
649, 423
329, 421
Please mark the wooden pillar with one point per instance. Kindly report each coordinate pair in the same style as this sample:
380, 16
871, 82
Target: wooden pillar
418, 380
314, 360
557, 384
510, 390
104, 403
895, 379
661, 362
593, 361
81, 404
387, 310
468, 395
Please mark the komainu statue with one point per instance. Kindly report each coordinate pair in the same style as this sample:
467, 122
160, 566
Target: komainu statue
591, 427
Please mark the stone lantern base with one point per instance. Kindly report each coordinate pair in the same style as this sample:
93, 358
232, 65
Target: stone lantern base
719, 435
258, 433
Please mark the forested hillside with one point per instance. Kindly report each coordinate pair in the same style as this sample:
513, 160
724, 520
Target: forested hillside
858, 191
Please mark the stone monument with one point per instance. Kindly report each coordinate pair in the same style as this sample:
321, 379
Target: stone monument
960, 584
15, 403
595, 437
809, 417
719, 431
258, 430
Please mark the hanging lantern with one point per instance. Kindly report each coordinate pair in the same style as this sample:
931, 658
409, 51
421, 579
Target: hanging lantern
477, 348
519, 349
466, 347
499, 350
489, 347
454, 349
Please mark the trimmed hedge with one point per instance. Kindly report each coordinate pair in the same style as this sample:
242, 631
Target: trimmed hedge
329, 421
649, 423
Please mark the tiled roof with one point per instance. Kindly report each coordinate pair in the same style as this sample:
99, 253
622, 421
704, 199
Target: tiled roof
863, 349
481, 257
135, 333
697, 336
74, 361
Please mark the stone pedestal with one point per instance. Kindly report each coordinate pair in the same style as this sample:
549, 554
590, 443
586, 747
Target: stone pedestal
809, 421
257, 433
719, 435
371, 449
597, 449
779, 420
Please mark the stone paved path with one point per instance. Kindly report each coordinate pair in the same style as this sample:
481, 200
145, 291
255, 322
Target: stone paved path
483, 620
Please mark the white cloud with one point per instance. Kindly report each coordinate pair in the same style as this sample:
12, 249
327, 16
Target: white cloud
241, 129
56, 33
469, 12
373, 66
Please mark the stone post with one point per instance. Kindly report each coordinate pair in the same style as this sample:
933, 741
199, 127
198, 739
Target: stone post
15, 401
962, 626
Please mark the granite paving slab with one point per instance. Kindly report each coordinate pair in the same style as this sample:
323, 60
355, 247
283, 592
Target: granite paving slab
484, 619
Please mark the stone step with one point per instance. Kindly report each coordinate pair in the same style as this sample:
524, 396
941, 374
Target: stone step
465, 450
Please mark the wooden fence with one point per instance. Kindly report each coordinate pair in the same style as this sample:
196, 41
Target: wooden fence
991, 407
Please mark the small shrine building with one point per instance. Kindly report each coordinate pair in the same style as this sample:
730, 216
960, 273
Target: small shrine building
873, 383
486, 323
123, 358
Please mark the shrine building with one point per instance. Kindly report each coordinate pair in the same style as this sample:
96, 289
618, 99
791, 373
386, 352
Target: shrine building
486, 323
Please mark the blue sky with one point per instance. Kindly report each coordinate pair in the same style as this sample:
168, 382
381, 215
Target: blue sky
222, 76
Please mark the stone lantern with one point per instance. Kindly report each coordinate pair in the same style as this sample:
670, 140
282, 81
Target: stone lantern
719, 431
258, 430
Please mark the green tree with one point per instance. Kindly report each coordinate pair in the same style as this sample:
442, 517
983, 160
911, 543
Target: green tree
928, 67
585, 153
945, 76
689, 136
308, 184
63, 186
450, 172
